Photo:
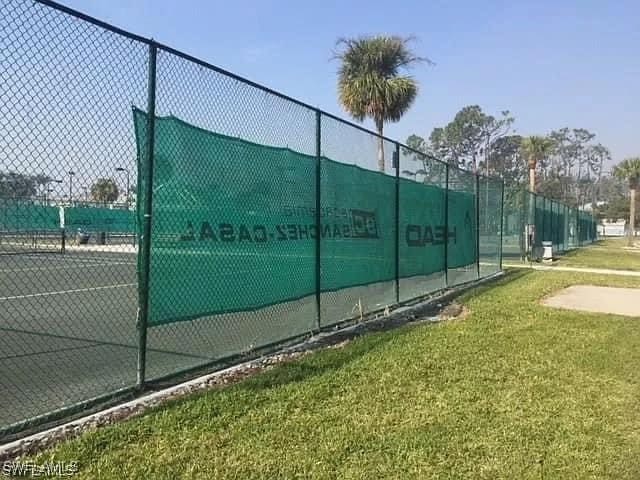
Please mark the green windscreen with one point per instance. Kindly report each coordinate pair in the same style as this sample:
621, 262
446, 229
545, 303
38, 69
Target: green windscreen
422, 236
233, 224
17, 215
100, 219
358, 232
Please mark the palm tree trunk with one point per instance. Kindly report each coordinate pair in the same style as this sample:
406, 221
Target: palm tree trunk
532, 180
632, 215
379, 128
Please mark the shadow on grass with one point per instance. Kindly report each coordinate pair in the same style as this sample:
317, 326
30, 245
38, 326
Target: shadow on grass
321, 362
567, 255
365, 339
509, 275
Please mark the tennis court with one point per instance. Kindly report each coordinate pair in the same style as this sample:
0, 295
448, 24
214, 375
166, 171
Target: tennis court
65, 319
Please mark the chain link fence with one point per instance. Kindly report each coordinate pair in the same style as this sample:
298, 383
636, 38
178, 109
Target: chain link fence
68, 310
531, 219
161, 216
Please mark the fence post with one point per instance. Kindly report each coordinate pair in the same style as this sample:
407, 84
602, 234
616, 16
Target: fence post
557, 225
578, 240
478, 224
553, 223
552, 227
560, 227
501, 222
525, 221
446, 225
396, 164
143, 288
534, 219
567, 228
544, 220
318, 216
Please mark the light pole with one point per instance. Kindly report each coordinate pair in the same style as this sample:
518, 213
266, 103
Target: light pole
122, 169
71, 174
48, 190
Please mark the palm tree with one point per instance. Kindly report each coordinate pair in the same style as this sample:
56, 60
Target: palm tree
629, 169
536, 149
371, 83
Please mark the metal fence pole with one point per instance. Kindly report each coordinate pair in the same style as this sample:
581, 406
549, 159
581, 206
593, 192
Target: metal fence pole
533, 238
396, 162
143, 290
567, 229
557, 224
561, 222
501, 221
553, 223
578, 237
544, 219
446, 225
525, 220
318, 215
478, 224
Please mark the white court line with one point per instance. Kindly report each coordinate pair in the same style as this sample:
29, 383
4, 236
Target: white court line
64, 292
71, 259
45, 269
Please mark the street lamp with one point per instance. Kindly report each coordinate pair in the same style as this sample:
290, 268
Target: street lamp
71, 174
122, 169
48, 190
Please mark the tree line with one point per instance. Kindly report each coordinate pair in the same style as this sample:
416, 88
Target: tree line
21, 186
567, 164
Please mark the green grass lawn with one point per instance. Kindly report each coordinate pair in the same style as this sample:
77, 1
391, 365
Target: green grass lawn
514, 390
604, 254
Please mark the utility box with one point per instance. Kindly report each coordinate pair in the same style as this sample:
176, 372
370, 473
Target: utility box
547, 252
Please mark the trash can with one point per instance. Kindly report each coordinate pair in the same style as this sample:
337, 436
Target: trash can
82, 237
547, 252
102, 238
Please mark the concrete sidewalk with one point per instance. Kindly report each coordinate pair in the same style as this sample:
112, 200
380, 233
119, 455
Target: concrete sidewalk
589, 298
603, 271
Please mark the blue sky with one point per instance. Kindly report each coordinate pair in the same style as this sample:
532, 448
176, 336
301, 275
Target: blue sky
552, 64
